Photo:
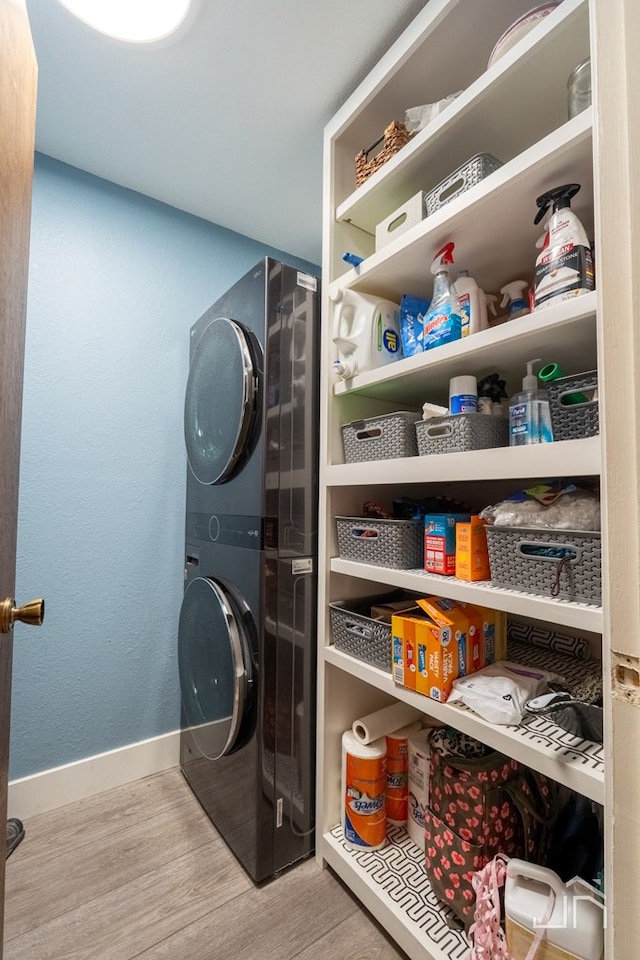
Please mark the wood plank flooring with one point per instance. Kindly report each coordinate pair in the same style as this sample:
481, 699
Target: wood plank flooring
140, 872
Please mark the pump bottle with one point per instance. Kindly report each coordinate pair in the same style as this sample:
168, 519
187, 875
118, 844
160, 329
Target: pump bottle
529, 416
564, 267
442, 324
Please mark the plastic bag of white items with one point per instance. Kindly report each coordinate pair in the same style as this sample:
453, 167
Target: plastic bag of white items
417, 118
547, 506
499, 692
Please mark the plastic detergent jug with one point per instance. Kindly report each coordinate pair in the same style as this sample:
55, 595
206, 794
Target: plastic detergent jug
564, 267
568, 917
366, 332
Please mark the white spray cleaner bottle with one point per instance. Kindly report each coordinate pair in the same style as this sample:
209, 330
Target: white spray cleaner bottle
442, 323
366, 332
473, 307
564, 267
513, 297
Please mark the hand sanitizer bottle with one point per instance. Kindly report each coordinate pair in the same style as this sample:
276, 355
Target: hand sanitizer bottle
529, 416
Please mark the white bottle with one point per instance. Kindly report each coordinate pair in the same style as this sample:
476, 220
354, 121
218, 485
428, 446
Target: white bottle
513, 297
473, 311
529, 415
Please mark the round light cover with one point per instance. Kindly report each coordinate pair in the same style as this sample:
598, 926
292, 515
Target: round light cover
137, 21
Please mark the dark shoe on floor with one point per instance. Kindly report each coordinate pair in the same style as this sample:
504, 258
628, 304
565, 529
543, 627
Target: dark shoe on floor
15, 833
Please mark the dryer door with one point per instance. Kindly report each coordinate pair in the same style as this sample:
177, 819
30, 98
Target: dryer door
220, 401
215, 667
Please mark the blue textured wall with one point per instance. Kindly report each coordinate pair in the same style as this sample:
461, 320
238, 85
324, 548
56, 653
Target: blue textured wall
116, 280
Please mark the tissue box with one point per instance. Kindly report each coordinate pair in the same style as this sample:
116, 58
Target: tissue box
401, 220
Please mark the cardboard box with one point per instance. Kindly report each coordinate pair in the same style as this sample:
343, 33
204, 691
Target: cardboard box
472, 555
385, 611
475, 639
440, 542
494, 634
449, 615
404, 650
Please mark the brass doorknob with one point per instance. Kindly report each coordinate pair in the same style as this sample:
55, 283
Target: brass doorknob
32, 612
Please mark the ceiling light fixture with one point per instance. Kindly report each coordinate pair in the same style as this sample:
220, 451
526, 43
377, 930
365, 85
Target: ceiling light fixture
136, 21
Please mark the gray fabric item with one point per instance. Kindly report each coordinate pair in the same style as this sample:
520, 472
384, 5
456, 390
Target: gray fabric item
15, 833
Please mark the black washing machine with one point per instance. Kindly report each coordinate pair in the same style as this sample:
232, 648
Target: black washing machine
247, 649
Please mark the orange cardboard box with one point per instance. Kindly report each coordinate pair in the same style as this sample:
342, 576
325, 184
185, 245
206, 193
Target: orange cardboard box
475, 638
450, 614
494, 634
437, 660
404, 651
472, 555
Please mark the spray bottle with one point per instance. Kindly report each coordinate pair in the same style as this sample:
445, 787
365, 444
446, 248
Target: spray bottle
564, 267
442, 324
529, 414
514, 298
473, 307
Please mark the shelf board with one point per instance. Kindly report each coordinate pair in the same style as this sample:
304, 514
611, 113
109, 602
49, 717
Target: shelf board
533, 74
565, 333
576, 458
392, 884
536, 742
582, 616
501, 206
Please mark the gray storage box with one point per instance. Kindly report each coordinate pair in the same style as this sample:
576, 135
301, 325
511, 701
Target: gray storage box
380, 438
354, 632
466, 176
461, 432
386, 543
550, 563
574, 421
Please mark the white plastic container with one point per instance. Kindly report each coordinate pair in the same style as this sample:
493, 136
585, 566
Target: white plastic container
366, 331
463, 395
575, 928
473, 304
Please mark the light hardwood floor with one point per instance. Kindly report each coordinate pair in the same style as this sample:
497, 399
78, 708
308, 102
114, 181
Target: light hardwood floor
141, 872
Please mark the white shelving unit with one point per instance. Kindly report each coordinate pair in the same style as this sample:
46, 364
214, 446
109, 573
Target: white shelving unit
516, 110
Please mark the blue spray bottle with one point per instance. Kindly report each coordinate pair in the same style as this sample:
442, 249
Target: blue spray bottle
443, 323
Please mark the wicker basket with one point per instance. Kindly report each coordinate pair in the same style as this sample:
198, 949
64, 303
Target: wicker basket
386, 543
550, 563
468, 175
461, 432
354, 632
393, 139
380, 438
573, 421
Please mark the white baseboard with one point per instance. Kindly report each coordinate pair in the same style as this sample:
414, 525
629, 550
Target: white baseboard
84, 778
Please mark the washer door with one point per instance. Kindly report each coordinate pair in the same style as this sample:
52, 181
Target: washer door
220, 401
214, 667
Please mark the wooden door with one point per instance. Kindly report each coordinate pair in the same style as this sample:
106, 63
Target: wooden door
18, 74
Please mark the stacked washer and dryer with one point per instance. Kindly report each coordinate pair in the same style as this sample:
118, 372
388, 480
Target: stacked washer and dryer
246, 640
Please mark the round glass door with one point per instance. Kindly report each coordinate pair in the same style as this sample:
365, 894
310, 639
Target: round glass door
219, 402
213, 673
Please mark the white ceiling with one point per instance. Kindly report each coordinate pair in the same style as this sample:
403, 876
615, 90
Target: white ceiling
226, 120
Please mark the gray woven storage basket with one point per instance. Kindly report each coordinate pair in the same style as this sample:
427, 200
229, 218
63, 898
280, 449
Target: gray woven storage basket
380, 438
518, 562
461, 432
573, 421
386, 543
466, 176
355, 633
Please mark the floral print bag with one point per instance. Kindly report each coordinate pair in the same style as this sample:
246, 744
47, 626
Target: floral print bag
481, 803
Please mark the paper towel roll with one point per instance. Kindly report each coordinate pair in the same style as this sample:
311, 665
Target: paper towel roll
418, 780
364, 776
397, 773
382, 722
